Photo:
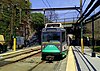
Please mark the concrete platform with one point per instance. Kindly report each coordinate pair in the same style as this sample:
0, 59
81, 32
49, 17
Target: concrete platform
84, 61
71, 65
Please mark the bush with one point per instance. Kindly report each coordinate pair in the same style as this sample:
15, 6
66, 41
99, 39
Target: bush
4, 47
97, 48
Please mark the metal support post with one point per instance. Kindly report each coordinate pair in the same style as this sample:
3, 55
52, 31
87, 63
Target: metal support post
11, 27
14, 44
93, 43
82, 44
44, 16
56, 20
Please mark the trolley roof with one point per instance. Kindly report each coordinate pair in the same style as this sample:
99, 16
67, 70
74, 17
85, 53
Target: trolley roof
53, 25
53, 29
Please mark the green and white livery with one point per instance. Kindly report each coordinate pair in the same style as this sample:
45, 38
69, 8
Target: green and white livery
53, 43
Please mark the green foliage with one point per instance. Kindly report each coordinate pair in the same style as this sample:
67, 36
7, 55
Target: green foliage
97, 48
37, 24
37, 21
96, 29
7, 10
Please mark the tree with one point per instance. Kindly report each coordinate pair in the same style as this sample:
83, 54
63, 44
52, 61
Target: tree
7, 9
37, 21
37, 24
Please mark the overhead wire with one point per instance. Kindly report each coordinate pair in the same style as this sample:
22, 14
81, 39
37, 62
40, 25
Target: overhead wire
48, 3
82, 6
44, 3
50, 7
84, 3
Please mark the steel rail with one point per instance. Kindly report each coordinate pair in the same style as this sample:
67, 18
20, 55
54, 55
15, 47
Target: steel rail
19, 58
22, 50
17, 54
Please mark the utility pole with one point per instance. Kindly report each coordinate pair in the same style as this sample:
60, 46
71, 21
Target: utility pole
44, 16
82, 44
20, 15
1, 9
14, 27
93, 43
12, 15
26, 22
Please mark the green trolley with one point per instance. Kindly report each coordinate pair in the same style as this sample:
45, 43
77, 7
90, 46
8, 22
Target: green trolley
53, 43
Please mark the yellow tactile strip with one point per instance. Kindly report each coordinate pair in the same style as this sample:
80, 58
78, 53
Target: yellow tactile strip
71, 64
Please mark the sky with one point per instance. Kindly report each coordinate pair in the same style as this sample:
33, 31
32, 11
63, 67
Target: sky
54, 3
59, 3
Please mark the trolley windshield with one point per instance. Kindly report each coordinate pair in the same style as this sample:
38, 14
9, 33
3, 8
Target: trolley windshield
51, 36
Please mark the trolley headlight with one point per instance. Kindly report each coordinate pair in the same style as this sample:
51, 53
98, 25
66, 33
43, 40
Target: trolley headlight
58, 46
43, 46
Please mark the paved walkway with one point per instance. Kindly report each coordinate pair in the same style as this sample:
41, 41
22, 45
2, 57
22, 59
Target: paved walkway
84, 61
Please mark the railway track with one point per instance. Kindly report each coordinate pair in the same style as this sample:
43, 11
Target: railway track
18, 57
85, 62
21, 50
34, 63
49, 66
22, 58
17, 54
30, 61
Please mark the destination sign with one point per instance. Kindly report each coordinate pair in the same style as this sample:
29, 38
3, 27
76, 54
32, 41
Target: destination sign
51, 29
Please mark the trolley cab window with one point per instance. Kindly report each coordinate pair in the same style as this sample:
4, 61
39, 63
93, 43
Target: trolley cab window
51, 36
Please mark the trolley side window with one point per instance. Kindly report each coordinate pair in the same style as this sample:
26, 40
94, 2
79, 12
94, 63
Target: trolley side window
63, 36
